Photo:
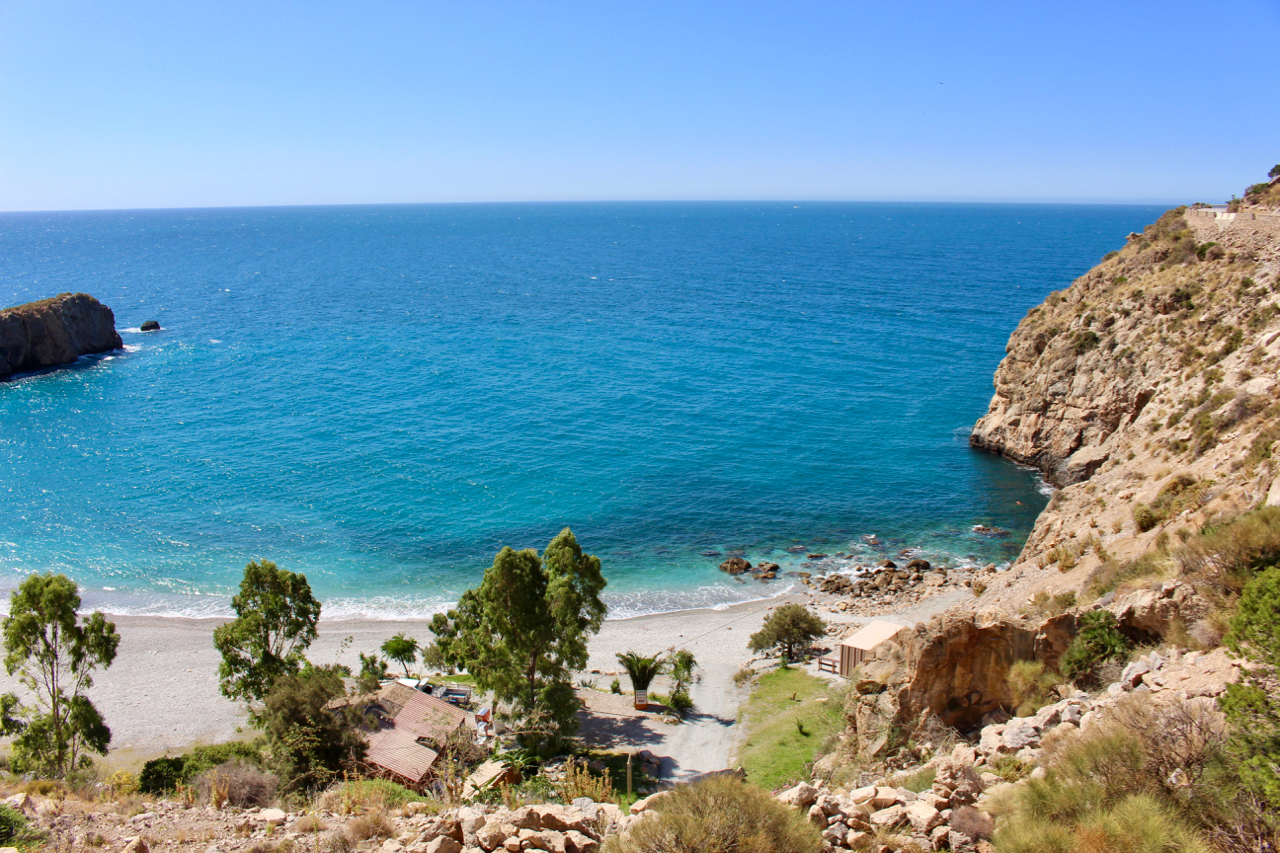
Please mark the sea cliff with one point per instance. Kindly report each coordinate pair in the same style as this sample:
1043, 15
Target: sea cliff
1147, 391
54, 331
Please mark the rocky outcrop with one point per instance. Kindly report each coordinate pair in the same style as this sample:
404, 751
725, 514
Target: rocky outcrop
953, 671
1147, 392
53, 332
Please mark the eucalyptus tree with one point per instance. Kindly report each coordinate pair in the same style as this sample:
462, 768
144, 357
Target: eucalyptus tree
523, 632
54, 655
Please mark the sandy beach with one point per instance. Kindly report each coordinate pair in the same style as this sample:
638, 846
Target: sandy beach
161, 693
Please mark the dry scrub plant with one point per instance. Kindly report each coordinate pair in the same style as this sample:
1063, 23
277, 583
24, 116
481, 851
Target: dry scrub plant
718, 815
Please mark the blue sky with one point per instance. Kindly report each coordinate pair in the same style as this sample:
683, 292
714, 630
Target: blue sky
169, 104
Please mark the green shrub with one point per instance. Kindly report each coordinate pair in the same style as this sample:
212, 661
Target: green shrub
164, 775
719, 815
1140, 823
1145, 517
1032, 685
1098, 640
1231, 554
1084, 340
919, 781
12, 822
1251, 707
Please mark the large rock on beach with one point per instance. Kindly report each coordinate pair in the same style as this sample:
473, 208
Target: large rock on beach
53, 332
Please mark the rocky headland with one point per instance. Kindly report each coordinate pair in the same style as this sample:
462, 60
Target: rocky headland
53, 332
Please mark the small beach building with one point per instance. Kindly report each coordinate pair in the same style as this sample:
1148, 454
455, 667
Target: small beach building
408, 731
855, 649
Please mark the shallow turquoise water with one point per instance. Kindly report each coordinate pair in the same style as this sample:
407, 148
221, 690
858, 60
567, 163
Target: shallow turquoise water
382, 397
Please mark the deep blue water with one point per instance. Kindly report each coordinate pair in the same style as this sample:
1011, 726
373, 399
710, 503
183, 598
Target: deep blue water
384, 396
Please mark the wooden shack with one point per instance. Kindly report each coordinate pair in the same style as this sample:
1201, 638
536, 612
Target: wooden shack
855, 649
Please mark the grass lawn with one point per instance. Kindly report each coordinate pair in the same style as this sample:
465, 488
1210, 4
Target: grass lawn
789, 718
460, 678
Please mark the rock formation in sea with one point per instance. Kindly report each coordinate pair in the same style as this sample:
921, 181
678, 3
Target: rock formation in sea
54, 331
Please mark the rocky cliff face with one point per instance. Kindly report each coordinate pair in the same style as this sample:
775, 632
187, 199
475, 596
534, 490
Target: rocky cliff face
53, 332
1148, 392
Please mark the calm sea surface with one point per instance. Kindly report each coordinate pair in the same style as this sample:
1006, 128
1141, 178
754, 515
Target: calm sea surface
382, 397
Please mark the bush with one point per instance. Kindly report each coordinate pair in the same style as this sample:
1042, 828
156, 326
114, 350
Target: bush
580, 782
1145, 778
311, 744
366, 794
375, 824
1252, 705
1145, 517
236, 783
718, 815
164, 775
1032, 686
1098, 640
12, 822
680, 702
919, 781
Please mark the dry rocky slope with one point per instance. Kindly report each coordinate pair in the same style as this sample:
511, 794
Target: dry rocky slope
53, 332
1147, 391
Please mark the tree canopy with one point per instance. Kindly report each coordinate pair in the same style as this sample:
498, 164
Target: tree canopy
310, 743
789, 630
54, 655
524, 630
276, 617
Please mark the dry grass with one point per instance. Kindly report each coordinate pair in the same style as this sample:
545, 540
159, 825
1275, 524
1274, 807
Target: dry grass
375, 824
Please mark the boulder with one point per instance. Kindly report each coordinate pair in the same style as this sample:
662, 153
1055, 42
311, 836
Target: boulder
491, 835
918, 566
150, 326
801, 795
735, 566
957, 783
1018, 735
889, 817
275, 817
1132, 675
577, 842
923, 817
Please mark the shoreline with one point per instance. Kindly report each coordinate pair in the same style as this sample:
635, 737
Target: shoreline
161, 694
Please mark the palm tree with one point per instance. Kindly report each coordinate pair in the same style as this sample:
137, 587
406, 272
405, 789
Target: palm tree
401, 649
643, 670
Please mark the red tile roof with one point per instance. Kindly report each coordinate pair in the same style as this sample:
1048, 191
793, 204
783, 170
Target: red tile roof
413, 727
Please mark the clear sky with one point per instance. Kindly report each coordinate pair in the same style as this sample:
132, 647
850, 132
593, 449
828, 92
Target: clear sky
127, 104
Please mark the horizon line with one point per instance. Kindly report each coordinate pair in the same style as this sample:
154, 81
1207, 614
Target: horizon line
792, 201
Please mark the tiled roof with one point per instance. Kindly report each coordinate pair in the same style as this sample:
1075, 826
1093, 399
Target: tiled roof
413, 728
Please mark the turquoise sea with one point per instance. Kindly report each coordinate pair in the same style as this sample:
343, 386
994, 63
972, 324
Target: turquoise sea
383, 396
